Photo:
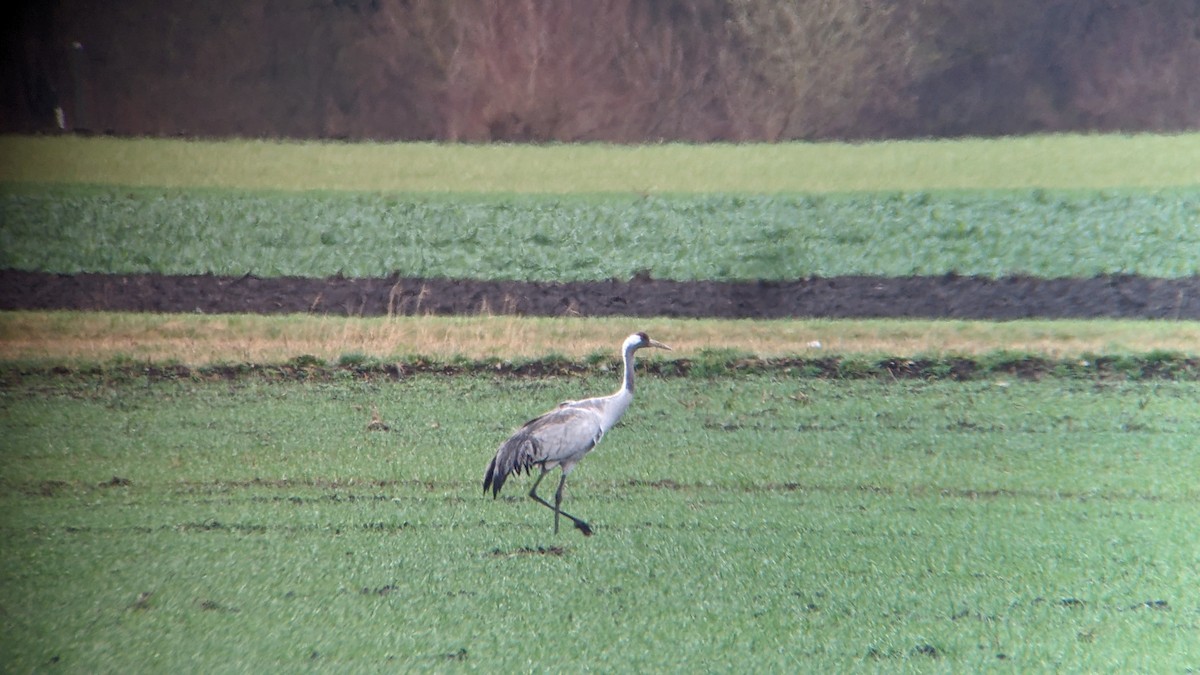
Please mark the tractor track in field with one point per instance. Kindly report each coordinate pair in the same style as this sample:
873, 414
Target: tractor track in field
922, 297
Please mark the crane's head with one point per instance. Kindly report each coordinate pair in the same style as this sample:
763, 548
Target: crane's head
639, 340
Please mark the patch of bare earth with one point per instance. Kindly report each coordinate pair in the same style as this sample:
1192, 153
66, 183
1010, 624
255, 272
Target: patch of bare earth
926, 297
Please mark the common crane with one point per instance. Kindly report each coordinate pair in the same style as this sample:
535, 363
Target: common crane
561, 437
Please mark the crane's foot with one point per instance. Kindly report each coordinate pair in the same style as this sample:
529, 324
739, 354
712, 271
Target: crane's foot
584, 528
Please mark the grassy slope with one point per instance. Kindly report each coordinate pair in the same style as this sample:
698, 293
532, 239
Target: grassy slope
1045, 206
793, 524
1048, 162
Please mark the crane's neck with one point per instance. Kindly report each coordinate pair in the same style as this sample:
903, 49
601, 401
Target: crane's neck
627, 372
613, 406
610, 408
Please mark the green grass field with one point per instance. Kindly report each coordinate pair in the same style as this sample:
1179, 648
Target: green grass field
1047, 206
553, 238
790, 523
158, 519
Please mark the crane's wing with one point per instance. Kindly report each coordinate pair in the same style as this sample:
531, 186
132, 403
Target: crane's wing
561, 436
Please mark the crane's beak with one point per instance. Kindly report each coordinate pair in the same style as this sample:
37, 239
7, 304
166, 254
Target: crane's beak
656, 343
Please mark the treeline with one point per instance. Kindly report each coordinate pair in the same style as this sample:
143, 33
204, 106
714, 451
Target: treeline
600, 70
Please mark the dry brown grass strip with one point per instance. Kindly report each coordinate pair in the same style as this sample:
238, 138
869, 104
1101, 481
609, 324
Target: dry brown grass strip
205, 339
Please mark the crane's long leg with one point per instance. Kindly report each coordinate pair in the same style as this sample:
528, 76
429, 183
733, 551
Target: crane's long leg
557, 505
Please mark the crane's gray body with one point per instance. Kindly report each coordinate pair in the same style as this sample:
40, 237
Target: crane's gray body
561, 437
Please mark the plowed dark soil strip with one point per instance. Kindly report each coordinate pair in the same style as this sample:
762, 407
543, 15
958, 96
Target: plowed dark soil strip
941, 297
